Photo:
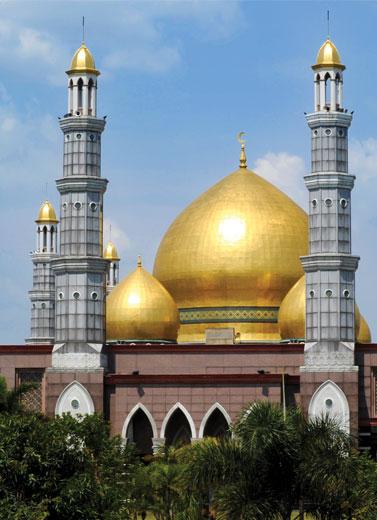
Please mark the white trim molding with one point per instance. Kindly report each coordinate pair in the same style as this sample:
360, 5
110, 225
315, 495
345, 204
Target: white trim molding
74, 399
208, 415
188, 417
329, 399
139, 406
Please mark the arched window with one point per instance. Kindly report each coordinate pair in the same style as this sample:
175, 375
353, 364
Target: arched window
178, 430
139, 431
44, 243
327, 90
216, 425
70, 96
52, 232
338, 91
80, 84
114, 273
90, 96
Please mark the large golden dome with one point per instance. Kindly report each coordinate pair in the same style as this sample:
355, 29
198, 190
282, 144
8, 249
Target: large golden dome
139, 308
231, 256
292, 316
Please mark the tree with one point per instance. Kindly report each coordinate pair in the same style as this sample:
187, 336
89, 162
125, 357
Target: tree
11, 400
62, 469
274, 463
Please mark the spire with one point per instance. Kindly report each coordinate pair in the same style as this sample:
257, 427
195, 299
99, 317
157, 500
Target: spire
243, 161
139, 262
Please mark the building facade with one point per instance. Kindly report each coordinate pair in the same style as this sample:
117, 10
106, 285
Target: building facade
250, 297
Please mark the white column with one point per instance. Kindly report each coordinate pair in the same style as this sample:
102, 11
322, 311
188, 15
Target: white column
316, 95
48, 242
38, 238
75, 93
94, 99
333, 94
340, 93
85, 100
69, 98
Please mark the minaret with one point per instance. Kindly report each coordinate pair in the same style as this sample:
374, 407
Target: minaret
80, 270
42, 295
111, 255
330, 267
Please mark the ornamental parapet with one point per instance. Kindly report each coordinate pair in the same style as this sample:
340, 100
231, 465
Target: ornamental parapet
329, 262
324, 118
75, 123
329, 180
81, 183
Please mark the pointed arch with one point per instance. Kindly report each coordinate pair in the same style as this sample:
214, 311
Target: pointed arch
139, 406
178, 406
215, 406
329, 399
74, 399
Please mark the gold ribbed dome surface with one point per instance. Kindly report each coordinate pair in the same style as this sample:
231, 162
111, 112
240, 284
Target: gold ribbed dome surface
139, 308
83, 61
47, 214
328, 55
111, 252
292, 316
231, 256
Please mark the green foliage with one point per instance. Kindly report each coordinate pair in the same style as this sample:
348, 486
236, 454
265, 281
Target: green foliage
274, 464
11, 400
62, 469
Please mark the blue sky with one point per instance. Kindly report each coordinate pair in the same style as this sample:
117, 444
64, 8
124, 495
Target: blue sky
179, 80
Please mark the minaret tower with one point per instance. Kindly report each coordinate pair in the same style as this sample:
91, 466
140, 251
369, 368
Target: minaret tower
330, 267
42, 295
80, 270
111, 255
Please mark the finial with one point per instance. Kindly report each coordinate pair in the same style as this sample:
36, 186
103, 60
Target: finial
83, 30
328, 24
110, 231
139, 262
243, 162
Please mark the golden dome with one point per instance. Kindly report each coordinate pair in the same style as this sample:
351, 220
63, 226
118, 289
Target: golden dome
231, 256
328, 56
47, 214
292, 316
83, 61
364, 335
139, 308
111, 252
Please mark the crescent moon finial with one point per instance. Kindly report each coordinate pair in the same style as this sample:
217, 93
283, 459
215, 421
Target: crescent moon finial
241, 140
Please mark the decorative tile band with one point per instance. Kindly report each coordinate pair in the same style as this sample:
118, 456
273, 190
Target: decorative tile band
229, 315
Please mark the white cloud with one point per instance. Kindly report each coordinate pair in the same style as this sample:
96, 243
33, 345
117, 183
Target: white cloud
286, 171
363, 159
118, 236
34, 53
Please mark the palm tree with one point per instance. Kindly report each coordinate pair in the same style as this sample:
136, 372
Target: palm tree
274, 463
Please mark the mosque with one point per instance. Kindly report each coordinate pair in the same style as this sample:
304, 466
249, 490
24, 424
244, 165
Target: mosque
250, 297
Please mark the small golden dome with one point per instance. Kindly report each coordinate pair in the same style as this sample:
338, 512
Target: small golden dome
111, 252
83, 61
231, 256
292, 316
328, 56
47, 214
139, 308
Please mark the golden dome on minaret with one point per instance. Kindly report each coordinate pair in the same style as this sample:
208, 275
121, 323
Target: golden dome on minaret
111, 252
47, 214
231, 256
328, 56
292, 316
83, 61
139, 308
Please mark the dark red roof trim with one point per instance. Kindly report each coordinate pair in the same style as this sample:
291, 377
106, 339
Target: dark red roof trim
25, 349
198, 348
199, 379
